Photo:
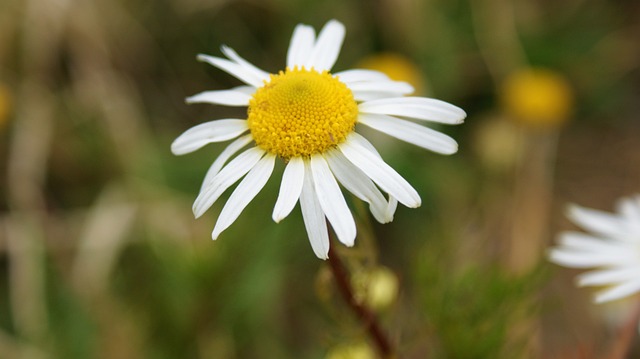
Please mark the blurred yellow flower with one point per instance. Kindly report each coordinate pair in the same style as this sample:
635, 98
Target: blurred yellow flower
352, 351
397, 67
377, 289
537, 97
5, 105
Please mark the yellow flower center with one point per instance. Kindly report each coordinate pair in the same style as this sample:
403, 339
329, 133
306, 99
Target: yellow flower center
301, 112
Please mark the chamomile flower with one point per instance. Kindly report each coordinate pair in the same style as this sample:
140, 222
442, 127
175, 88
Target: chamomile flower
306, 116
612, 248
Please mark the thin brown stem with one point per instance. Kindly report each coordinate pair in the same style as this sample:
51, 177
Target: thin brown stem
364, 314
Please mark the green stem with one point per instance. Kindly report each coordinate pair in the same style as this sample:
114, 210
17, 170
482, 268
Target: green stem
364, 314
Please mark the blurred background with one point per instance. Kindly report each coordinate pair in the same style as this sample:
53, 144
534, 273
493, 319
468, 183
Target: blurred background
100, 256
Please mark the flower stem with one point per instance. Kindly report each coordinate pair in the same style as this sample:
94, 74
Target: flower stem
364, 314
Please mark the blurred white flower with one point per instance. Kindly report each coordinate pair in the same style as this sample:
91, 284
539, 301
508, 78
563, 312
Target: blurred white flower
307, 116
612, 249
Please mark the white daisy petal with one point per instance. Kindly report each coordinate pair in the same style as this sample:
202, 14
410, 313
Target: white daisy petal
411, 132
234, 69
356, 182
392, 88
612, 249
224, 156
571, 258
381, 173
221, 97
587, 243
367, 145
315, 169
358, 75
327, 47
290, 189
419, 108
630, 209
393, 202
391, 207
246, 191
314, 220
208, 132
596, 221
231, 54
364, 95
229, 175
608, 276
247, 90
619, 291
301, 45
332, 201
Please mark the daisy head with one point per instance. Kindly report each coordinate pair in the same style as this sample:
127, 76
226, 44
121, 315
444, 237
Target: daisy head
306, 116
611, 249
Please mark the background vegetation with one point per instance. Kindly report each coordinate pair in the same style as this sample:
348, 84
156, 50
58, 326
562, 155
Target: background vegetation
100, 256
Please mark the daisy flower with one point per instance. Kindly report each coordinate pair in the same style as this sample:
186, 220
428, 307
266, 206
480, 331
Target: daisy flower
612, 248
307, 116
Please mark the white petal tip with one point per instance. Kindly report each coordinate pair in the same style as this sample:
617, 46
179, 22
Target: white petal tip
601, 299
197, 212
217, 230
549, 254
581, 283
278, 216
571, 209
322, 253
201, 57
350, 241
337, 25
178, 149
452, 151
462, 116
448, 149
406, 88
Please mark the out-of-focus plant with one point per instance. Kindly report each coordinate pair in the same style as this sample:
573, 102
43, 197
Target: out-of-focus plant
99, 255
480, 310
352, 351
6, 102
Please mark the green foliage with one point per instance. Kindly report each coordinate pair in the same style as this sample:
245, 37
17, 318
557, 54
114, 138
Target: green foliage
98, 92
74, 333
478, 311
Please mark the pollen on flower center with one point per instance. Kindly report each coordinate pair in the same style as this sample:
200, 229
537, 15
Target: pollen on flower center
301, 112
